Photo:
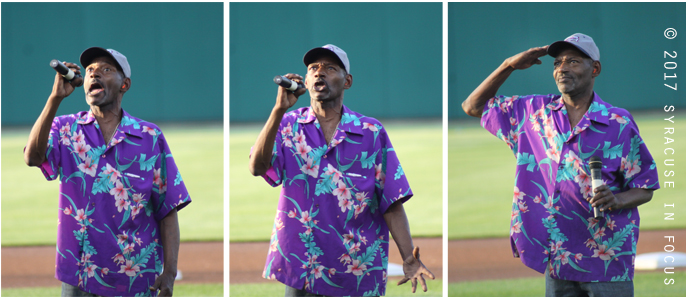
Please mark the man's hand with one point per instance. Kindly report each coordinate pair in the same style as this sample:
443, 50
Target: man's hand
527, 58
285, 98
63, 88
604, 199
164, 283
414, 270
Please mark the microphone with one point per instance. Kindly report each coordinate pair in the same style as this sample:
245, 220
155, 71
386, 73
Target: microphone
288, 84
66, 72
595, 164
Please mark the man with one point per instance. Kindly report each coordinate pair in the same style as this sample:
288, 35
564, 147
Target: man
553, 227
119, 186
343, 189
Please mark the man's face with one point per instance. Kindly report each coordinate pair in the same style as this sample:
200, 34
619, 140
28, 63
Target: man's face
102, 81
326, 80
573, 71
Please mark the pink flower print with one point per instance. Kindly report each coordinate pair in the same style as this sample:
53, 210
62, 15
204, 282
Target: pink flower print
342, 192
513, 121
286, 130
66, 129
148, 130
305, 217
80, 215
514, 214
163, 186
299, 137
121, 204
345, 258
361, 196
592, 222
81, 148
536, 127
138, 241
363, 239
104, 271
380, 175
121, 239
287, 143
85, 258
273, 246
348, 237
599, 233
114, 173
67, 211
359, 209
578, 257
309, 169
312, 260
516, 228
356, 268
522, 206
603, 253
119, 191
129, 269
564, 257
331, 170
518, 195
317, 271
64, 139
556, 246
537, 199
309, 230
87, 167
553, 154
292, 214
590, 243
91, 270
611, 224
129, 248
81, 281
582, 179
332, 271
135, 209
137, 197
355, 247
573, 158
548, 205
586, 190
78, 137
514, 136
370, 127
156, 177
303, 149
618, 118
632, 168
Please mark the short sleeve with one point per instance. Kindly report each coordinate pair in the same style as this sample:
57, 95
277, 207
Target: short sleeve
390, 179
637, 165
58, 134
282, 139
169, 191
499, 118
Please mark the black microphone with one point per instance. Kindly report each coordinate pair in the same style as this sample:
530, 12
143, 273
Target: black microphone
288, 84
66, 72
595, 164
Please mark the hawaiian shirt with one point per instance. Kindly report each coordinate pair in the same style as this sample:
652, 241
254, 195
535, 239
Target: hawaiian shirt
329, 236
552, 224
112, 197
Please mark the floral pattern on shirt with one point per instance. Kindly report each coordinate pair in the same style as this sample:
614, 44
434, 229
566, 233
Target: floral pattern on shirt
112, 196
552, 224
329, 235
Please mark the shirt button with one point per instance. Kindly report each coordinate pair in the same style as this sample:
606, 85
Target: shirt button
103, 156
325, 156
558, 191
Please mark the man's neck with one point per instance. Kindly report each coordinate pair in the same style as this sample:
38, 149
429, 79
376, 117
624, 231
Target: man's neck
108, 117
327, 112
577, 105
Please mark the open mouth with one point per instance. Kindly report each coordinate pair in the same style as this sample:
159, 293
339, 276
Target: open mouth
319, 85
95, 88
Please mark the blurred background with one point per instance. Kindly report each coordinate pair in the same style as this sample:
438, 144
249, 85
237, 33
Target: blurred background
176, 55
631, 40
395, 51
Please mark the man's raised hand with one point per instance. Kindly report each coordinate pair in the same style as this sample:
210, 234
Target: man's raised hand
527, 58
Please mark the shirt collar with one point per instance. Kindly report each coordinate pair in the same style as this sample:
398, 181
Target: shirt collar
89, 118
598, 111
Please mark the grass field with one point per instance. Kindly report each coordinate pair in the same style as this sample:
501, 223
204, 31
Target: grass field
482, 167
276, 289
418, 146
29, 202
180, 290
645, 285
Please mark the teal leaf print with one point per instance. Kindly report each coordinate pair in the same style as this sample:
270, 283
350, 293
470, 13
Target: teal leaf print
147, 165
178, 179
612, 152
399, 173
525, 158
368, 162
347, 118
127, 121
328, 281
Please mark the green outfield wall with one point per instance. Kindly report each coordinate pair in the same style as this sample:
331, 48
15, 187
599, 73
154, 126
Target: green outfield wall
630, 37
395, 50
175, 51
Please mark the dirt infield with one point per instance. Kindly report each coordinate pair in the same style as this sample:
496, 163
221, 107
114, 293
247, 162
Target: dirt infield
199, 262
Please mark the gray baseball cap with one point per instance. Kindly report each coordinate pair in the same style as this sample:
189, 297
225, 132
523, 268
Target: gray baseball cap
315, 53
94, 52
581, 41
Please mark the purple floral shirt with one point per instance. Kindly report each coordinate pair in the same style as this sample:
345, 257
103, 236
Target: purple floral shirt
329, 235
552, 225
112, 197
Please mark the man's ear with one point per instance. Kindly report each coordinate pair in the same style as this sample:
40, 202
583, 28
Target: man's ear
349, 81
126, 84
596, 68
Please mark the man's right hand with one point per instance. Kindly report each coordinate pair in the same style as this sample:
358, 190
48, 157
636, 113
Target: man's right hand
285, 98
527, 58
63, 88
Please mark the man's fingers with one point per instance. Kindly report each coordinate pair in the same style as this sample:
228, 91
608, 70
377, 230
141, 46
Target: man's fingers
422, 283
428, 273
403, 281
414, 284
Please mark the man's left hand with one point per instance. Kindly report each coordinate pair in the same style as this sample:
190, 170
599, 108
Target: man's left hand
414, 270
604, 199
164, 283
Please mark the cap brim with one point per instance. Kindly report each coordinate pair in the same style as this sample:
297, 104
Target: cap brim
94, 52
316, 53
556, 47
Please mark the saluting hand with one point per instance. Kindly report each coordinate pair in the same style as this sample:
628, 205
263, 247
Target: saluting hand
527, 58
414, 270
285, 98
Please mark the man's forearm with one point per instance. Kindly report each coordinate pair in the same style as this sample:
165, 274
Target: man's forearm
398, 225
475, 103
169, 234
34, 154
262, 150
634, 197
